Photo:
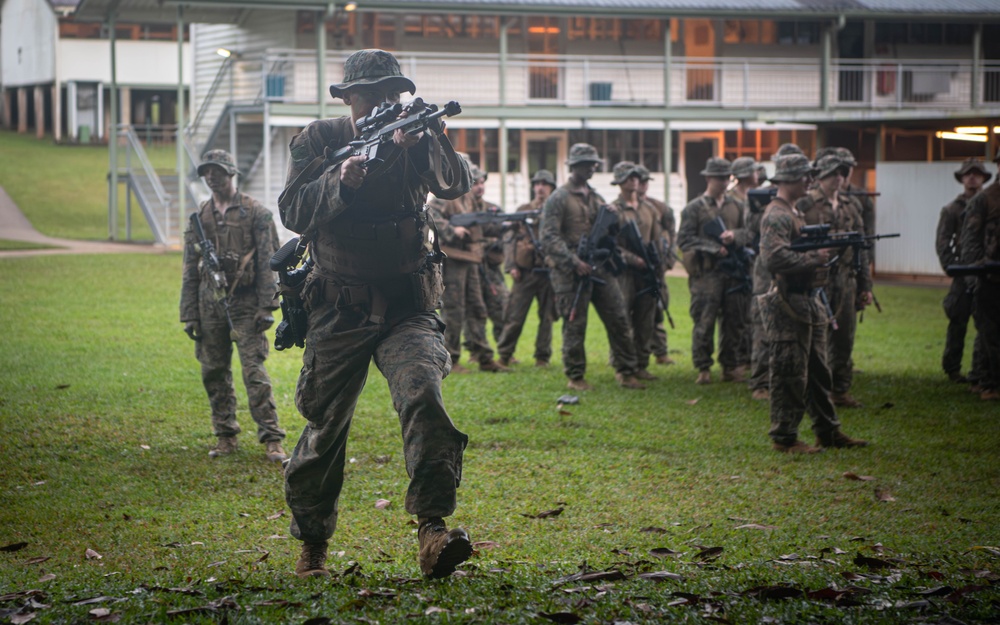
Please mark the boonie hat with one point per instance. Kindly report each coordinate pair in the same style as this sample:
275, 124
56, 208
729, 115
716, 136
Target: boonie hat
477, 174
221, 158
716, 167
544, 175
743, 167
791, 168
623, 171
644, 175
372, 68
761, 174
847, 157
787, 148
828, 165
972, 164
583, 153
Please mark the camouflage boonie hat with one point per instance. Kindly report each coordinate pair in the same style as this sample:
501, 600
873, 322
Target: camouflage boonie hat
792, 168
623, 171
644, 175
828, 165
827, 151
372, 68
743, 167
973, 164
787, 148
716, 167
847, 157
221, 158
761, 174
583, 153
477, 174
544, 175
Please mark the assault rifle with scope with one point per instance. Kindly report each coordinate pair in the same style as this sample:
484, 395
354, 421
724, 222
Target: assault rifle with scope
737, 263
210, 262
652, 274
466, 220
988, 268
291, 277
596, 249
818, 237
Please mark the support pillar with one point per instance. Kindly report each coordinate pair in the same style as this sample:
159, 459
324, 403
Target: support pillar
321, 87
39, 102
125, 99
8, 119
668, 157
502, 132
57, 113
181, 167
22, 110
113, 130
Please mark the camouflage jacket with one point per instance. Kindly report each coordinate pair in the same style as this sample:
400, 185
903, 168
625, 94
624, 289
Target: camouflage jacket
668, 232
519, 251
701, 253
244, 231
844, 217
793, 271
949, 231
648, 220
567, 216
981, 231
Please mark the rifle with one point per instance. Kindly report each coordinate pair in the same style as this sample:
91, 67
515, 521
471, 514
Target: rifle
860, 193
738, 263
466, 220
596, 249
210, 261
294, 318
818, 236
988, 268
759, 198
528, 223
652, 273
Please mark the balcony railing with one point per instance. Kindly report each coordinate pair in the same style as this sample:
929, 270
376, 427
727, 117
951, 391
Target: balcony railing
746, 83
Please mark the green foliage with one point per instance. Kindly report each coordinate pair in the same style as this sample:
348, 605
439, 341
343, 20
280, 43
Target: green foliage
8, 245
104, 430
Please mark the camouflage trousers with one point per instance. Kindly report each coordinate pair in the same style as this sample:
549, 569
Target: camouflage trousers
409, 352
658, 346
800, 379
843, 295
532, 285
215, 353
610, 306
495, 295
641, 310
759, 349
958, 306
987, 315
711, 299
464, 311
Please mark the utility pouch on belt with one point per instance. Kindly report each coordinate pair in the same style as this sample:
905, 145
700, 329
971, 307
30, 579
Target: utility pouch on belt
428, 285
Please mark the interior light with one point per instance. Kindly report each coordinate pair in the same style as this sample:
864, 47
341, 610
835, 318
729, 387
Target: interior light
350, 6
971, 130
224, 53
961, 137
996, 130
550, 30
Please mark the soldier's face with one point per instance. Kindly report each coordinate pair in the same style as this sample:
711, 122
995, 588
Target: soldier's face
217, 179
363, 99
973, 181
846, 173
583, 172
542, 190
716, 184
478, 188
631, 184
643, 187
831, 183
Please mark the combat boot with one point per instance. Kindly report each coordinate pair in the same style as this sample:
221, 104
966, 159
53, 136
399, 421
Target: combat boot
458, 369
442, 550
956, 376
579, 385
223, 447
761, 394
990, 394
541, 363
838, 439
663, 359
274, 452
845, 400
629, 381
503, 361
312, 560
798, 447
704, 377
493, 366
642, 374
733, 375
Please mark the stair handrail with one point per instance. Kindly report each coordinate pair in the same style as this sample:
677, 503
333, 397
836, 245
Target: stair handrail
225, 68
160, 232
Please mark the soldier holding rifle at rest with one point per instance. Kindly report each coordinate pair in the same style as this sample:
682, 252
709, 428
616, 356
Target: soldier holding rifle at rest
668, 256
235, 304
372, 296
795, 320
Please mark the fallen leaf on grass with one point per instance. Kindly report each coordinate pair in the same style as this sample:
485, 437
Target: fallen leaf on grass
90, 554
872, 563
279, 603
659, 576
184, 591
565, 413
104, 615
663, 552
17, 619
883, 495
773, 592
60, 387
382, 504
937, 591
993, 550
381, 592
691, 402
92, 600
653, 530
544, 515
435, 610
564, 618
956, 596
485, 544
37, 559
276, 515
709, 553
756, 526
146, 447
48, 577
851, 475
14, 547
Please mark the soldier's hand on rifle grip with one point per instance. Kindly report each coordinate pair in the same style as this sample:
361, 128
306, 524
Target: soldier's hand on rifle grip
582, 268
352, 172
723, 252
823, 254
193, 330
461, 232
404, 139
515, 273
263, 320
727, 237
864, 299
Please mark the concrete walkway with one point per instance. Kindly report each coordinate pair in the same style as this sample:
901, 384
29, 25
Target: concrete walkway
14, 226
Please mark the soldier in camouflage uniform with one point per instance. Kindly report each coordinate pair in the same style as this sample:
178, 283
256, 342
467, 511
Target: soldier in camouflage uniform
568, 215
714, 293
865, 201
243, 233
849, 287
526, 265
495, 291
980, 242
745, 173
372, 296
795, 320
668, 256
463, 306
958, 304
641, 308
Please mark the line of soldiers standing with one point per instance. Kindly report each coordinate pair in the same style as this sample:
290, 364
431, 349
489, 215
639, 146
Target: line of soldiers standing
968, 233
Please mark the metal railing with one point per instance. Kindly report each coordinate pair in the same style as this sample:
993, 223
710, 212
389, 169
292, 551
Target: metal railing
157, 209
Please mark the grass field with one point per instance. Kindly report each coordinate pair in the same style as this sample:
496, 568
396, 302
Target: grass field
673, 503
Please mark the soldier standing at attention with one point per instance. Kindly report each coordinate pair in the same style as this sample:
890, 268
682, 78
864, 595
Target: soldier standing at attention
463, 307
568, 215
980, 243
795, 320
714, 294
958, 304
668, 256
641, 308
245, 238
745, 174
526, 265
372, 296
849, 289
495, 291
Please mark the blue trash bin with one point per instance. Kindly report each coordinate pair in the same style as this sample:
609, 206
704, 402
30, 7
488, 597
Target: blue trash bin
275, 87
600, 91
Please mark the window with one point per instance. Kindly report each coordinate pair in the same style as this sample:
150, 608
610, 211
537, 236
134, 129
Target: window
798, 33
927, 34
639, 146
482, 146
68, 29
750, 31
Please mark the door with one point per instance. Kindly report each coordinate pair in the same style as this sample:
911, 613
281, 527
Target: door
544, 150
851, 77
696, 149
699, 43
544, 77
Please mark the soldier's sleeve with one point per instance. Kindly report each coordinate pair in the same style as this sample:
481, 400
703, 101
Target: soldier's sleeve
309, 204
190, 279
946, 235
550, 231
460, 180
864, 277
510, 240
266, 239
439, 211
972, 240
689, 238
775, 247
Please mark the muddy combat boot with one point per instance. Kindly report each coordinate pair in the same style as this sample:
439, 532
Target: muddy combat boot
541, 363
643, 374
442, 550
845, 400
223, 447
629, 381
761, 394
493, 366
736, 374
704, 377
274, 452
839, 440
663, 359
312, 560
798, 447
579, 385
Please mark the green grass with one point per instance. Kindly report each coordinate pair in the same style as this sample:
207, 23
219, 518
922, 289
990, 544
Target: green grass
7, 244
104, 430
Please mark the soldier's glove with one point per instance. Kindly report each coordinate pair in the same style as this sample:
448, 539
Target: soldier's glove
193, 329
263, 320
